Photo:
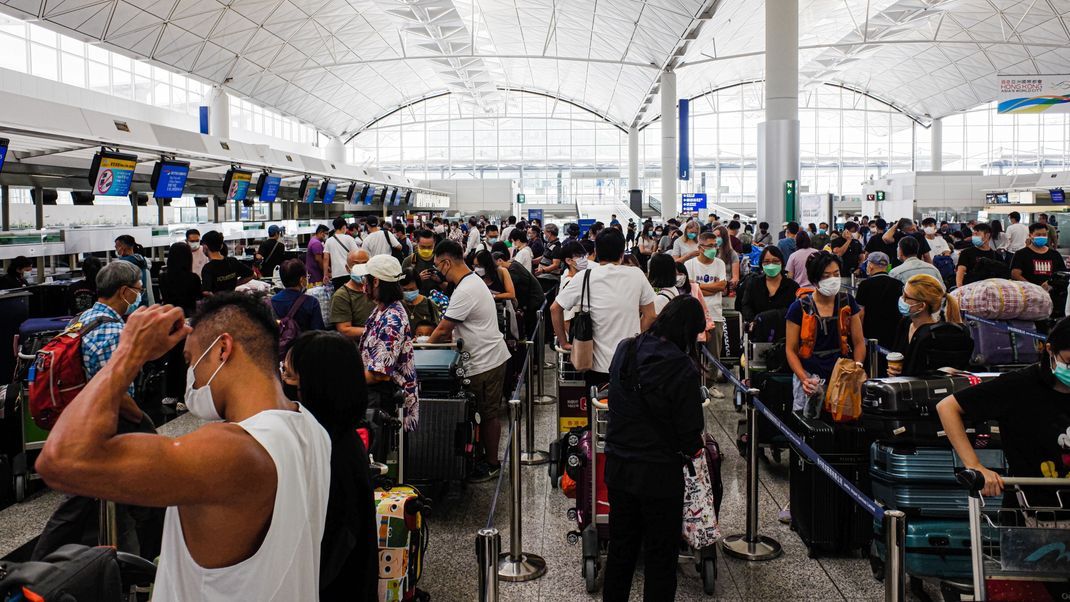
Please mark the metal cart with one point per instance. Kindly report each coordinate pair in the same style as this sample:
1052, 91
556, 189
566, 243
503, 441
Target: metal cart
1023, 553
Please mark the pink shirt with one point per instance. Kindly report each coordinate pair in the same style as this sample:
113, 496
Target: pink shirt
797, 265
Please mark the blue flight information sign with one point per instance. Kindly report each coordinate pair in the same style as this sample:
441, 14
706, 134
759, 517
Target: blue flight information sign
585, 225
3, 152
169, 179
370, 197
329, 190
1057, 195
693, 201
269, 188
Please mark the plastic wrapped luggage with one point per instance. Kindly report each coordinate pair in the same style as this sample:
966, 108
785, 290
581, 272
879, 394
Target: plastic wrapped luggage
1000, 299
902, 410
402, 539
827, 520
921, 481
995, 346
935, 548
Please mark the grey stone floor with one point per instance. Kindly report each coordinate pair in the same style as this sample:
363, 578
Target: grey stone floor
450, 568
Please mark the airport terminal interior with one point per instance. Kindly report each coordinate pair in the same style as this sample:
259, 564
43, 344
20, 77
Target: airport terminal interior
422, 289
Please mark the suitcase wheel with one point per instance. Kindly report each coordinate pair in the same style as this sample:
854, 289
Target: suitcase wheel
708, 570
573, 537
571, 514
590, 574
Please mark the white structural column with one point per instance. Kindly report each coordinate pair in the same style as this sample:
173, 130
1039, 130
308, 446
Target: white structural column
219, 113
633, 158
936, 134
668, 145
336, 151
778, 135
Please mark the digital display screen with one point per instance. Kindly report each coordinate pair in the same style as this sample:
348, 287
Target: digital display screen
237, 184
3, 151
329, 189
1057, 195
169, 179
267, 188
112, 173
369, 197
311, 191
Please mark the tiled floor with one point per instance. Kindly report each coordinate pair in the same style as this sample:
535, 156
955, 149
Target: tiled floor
450, 568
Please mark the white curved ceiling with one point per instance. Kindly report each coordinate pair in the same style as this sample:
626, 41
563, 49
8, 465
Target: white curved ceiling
339, 64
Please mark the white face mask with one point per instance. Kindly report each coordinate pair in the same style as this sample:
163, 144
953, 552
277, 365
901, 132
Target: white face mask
581, 263
930, 230
199, 400
193, 246
680, 280
829, 286
481, 272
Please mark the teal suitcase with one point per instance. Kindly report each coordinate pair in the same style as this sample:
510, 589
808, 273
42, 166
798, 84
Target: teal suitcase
935, 548
921, 480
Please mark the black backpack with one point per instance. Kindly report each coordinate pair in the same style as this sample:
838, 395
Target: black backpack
938, 345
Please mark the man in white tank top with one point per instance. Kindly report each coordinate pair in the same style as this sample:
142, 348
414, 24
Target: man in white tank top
246, 497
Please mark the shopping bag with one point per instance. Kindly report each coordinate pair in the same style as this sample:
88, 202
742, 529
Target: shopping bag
700, 526
843, 397
582, 330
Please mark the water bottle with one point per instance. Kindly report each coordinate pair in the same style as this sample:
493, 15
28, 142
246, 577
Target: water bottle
816, 401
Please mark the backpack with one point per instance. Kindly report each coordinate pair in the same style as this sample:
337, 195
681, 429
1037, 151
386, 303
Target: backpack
57, 374
289, 329
986, 268
808, 329
938, 345
946, 265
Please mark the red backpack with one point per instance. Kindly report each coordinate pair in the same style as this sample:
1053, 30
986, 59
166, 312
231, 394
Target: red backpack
57, 376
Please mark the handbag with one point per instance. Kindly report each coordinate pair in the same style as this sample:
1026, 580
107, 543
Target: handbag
581, 330
843, 397
700, 526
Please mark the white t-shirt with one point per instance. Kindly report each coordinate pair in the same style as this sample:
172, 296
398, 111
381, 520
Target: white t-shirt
1017, 236
506, 231
616, 294
569, 312
472, 309
662, 298
377, 243
937, 246
524, 257
338, 247
702, 273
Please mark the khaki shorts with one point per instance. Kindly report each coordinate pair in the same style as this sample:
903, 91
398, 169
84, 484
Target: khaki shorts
486, 389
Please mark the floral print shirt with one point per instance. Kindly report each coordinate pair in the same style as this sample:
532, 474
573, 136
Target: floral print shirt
386, 348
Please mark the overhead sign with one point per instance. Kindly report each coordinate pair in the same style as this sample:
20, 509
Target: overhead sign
1034, 94
3, 152
585, 225
236, 184
1057, 195
789, 199
535, 214
520, 198
693, 201
169, 179
871, 197
880, 195
112, 173
685, 146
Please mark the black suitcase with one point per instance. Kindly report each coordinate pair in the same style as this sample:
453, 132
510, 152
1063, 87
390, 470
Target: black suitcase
902, 410
775, 392
828, 520
440, 449
439, 372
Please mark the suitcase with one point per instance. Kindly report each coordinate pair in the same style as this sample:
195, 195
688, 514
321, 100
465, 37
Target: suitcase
441, 447
935, 548
777, 395
439, 372
827, 520
902, 410
993, 345
732, 338
572, 394
921, 481
35, 327
401, 534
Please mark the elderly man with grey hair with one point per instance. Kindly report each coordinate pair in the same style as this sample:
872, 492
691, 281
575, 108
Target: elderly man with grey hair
119, 293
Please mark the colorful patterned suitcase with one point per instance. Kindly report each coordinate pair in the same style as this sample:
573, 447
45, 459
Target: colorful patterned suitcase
402, 539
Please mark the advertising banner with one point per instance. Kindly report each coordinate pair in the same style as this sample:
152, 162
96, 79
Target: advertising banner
115, 175
1034, 94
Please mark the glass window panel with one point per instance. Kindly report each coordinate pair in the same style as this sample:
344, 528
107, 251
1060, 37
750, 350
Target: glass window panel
44, 61
99, 77
72, 69
71, 45
42, 36
12, 52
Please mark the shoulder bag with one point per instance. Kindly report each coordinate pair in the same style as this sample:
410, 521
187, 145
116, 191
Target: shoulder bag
581, 330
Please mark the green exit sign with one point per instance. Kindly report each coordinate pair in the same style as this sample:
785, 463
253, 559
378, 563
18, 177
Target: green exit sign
880, 195
789, 200
520, 198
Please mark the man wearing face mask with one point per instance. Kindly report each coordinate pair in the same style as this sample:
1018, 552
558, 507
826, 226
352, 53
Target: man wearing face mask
710, 273
422, 263
200, 253
119, 292
1037, 262
967, 270
350, 306
937, 244
246, 497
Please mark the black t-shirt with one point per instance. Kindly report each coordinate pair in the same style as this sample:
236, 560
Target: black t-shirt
876, 243
222, 275
923, 243
182, 289
1035, 435
879, 296
968, 259
850, 258
273, 252
1037, 267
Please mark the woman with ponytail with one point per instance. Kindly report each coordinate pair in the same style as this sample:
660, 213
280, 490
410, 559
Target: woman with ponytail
931, 335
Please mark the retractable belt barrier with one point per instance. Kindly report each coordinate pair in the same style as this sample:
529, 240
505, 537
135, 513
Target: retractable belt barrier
1005, 326
752, 546
515, 565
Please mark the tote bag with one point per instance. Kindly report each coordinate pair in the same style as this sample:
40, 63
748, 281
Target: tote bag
843, 398
581, 330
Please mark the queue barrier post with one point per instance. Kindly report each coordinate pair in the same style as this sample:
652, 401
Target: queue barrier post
873, 357
531, 456
895, 555
541, 398
751, 546
108, 527
516, 565
488, 548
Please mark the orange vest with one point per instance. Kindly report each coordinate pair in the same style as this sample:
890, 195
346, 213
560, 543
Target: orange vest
808, 328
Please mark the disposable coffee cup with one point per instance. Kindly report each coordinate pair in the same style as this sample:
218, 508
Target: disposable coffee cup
895, 360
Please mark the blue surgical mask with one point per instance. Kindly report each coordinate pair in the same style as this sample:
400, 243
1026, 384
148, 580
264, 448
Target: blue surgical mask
132, 307
904, 308
410, 296
356, 279
820, 230
1062, 372
692, 236
977, 241
492, 240
1040, 241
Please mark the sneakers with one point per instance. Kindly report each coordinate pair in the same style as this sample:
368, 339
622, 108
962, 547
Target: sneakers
716, 393
169, 401
784, 515
484, 472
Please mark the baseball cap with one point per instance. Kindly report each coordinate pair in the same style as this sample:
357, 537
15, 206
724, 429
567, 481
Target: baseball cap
380, 267
273, 230
878, 258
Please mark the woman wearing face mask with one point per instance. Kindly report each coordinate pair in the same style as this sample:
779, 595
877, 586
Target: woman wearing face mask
647, 244
386, 345
1032, 406
796, 267
349, 554
529, 294
822, 327
728, 255
18, 273
923, 297
773, 291
424, 315
686, 246
495, 277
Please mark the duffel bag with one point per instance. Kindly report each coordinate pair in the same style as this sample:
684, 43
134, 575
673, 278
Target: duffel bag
999, 299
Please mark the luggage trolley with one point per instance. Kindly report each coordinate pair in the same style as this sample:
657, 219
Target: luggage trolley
1025, 553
